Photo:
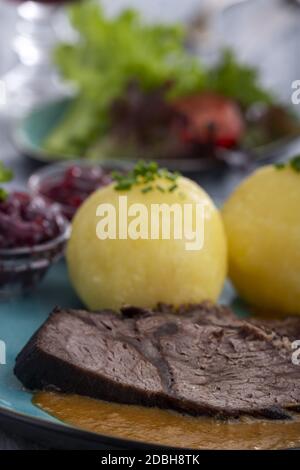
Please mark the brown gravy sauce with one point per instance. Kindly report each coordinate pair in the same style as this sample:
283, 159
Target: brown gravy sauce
169, 428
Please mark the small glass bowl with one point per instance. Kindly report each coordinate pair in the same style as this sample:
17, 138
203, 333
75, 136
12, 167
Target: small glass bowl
21, 269
52, 174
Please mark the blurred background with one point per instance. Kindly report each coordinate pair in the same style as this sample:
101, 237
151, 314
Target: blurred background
262, 33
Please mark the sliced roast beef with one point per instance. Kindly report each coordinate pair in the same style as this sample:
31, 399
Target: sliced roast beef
289, 326
199, 359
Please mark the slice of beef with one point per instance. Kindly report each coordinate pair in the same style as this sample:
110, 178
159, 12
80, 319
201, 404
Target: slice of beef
199, 359
289, 326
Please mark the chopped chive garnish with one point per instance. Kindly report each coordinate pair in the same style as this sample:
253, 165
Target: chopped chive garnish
147, 189
6, 175
122, 187
279, 166
172, 188
142, 174
3, 194
116, 175
294, 163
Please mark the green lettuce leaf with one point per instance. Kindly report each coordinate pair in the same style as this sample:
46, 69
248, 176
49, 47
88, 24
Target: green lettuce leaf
110, 52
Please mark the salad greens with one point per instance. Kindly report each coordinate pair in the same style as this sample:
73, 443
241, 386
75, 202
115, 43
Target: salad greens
231, 79
111, 52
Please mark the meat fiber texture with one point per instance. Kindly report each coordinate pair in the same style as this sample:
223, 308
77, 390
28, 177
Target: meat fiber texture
199, 359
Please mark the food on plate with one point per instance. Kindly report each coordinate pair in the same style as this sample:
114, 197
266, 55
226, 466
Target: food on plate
166, 255
27, 221
70, 184
263, 230
197, 359
32, 236
182, 127
135, 82
288, 326
160, 427
210, 119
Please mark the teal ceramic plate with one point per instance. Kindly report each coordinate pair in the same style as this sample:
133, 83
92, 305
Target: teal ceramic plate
33, 129
19, 319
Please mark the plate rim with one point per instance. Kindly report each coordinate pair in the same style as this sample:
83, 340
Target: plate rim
87, 440
87, 437
263, 154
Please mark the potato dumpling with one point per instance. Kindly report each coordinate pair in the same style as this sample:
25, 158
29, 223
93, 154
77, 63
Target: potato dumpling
262, 223
114, 272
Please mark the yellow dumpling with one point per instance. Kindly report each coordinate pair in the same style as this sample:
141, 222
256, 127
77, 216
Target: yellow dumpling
262, 223
109, 273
